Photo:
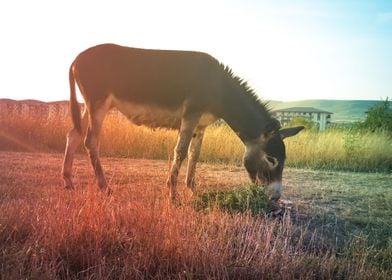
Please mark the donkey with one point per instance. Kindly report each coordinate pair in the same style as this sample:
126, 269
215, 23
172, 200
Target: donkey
181, 90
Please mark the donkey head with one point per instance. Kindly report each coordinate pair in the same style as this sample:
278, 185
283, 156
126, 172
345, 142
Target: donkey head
264, 159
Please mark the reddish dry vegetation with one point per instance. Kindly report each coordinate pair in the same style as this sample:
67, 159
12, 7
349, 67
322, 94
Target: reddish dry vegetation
47, 232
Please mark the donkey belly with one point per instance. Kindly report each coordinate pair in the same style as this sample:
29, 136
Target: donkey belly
155, 116
149, 115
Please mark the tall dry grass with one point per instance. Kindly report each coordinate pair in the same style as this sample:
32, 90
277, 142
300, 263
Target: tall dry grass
122, 138
33, 133
332, 149
351, 150
136, 234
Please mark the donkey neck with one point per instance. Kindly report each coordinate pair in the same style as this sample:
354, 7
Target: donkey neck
244, 112
247, 123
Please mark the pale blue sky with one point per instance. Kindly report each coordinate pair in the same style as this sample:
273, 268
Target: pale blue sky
287, 50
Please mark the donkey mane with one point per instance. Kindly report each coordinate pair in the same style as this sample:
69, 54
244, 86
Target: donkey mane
253, 116
248, 92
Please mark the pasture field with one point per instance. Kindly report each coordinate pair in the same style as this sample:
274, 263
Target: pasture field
332, 150
339, 227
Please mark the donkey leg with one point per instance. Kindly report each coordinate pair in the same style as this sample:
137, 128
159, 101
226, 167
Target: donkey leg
193, 156
188, 125
74, 138
91, 143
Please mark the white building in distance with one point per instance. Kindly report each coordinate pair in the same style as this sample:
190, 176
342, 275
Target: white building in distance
321, 118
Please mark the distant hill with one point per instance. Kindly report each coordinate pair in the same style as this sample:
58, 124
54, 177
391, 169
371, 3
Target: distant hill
343, 110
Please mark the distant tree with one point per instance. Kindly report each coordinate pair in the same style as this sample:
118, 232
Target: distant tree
297, 121
379, 117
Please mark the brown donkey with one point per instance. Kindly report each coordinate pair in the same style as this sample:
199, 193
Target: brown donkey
173, 89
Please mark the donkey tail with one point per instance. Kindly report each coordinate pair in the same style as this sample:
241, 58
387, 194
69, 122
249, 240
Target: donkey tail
74, 105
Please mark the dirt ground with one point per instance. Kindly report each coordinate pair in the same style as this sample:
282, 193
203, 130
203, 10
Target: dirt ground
343, 202
44, 169
18, 168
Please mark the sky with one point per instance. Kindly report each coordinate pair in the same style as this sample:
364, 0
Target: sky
286, 50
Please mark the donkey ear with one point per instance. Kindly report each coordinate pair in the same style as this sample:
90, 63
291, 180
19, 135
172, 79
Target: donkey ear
288, 132
270, 129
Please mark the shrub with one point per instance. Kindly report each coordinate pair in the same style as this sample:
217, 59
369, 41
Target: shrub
379, 117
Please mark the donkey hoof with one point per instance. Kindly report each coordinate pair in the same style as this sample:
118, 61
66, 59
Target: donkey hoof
106, 190
176, 202
174, 198
192, 188
68, 184
69, 187
109, 191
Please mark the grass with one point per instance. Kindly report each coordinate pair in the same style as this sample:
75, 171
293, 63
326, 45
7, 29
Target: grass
346, 206
336, 149
250, 198
333, 149
49, 233
339, 226
368, 193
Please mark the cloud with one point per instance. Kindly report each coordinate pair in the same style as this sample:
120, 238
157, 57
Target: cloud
384, 17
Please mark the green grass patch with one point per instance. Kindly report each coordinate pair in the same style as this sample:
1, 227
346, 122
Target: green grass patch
239, 200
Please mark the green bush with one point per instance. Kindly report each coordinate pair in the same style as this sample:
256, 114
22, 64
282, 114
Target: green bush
379, 117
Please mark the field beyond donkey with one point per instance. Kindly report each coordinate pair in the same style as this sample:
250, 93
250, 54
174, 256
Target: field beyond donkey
339, 227
334, 149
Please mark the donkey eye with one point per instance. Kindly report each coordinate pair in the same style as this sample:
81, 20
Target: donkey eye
272, 160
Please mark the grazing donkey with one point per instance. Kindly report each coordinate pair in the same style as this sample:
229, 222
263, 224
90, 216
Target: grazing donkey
172, 89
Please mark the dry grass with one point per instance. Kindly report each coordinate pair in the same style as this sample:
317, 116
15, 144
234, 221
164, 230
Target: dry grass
49, 233
341, 150
333, 149
32, 133
122, 138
